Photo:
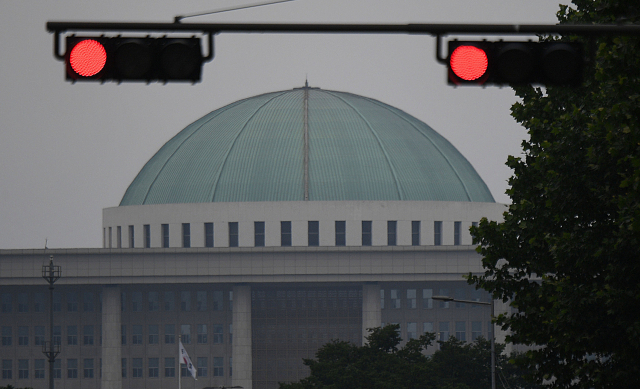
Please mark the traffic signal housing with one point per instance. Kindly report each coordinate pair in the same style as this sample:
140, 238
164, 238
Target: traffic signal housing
144, 59
515, 63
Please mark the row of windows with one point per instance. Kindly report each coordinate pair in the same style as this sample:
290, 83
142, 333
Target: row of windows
89, 333
443, 331
88, 368
37, 302
154, 336
395, 298
313, 234
204, 301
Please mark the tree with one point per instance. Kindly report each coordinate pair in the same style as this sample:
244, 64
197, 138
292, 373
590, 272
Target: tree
382, 364
567, 254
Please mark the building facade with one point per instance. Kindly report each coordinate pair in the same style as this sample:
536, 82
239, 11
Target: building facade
257, 234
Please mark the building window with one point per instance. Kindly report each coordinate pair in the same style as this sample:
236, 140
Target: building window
6, 336
154, 301
202, 333
218, 335
382, 299
186, 235
476, 330
285, 233
123, 334
391, 232
169, 333
427, 327
23, 302
169, 301
233, 234
131, 237
87, 335
201, 300
396, 303
218, 366
456, 233
119, 237
110, 238
185, 301
460, 295
124, 367
136, 367
437, 233
154, 367
165, 235
154, 334
72, 335
218, 297
461, 331
7, 307
136, 334
169, 367
208, 234
444, 331
258, 234
38, 302
314, 233
87, 302
185, 332
366, 233
23, 336
427, 301
444, 304
57, 335
341, 233
38, 371
38, 335
412, 331
72, 302
136, 301
72, 368
7, 369
411, 298
202, 366
88, 368
23, 369
146, 229
415, 233
230, 333
57, 302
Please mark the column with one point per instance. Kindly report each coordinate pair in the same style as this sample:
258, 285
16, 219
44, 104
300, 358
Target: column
241, 349
371, 314
111, 342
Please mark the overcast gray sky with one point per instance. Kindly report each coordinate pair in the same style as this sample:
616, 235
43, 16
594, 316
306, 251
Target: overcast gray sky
68, 151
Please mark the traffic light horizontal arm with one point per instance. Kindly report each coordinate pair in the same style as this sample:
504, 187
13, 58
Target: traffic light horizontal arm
415, 28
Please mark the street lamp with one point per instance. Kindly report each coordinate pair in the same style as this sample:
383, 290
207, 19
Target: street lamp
493, 331
51, 274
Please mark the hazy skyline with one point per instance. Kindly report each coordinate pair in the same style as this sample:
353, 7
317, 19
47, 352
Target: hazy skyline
69, 150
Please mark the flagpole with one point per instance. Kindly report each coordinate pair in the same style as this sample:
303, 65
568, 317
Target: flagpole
179, 362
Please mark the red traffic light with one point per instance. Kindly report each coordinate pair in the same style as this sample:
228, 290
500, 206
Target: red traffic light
87, 58
468, 62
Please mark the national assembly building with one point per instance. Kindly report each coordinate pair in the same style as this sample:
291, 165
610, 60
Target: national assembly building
258, 233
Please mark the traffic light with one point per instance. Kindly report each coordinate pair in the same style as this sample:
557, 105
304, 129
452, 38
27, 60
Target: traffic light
133, 59
515, 63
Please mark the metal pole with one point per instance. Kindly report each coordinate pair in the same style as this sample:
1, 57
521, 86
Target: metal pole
51, 274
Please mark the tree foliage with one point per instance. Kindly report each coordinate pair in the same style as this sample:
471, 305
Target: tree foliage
567, 254
382, 364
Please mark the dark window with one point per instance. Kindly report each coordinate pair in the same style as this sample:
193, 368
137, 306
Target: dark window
88, 368
72, 368
202, 367
124, 367
415, 233
87, 302
38, 371
38, 332
233, 234
23, 302
57, 368
165, 235
38, 302
185, 301
6, 303
7, 369
23, 336
147, 235
314, 233
218, 366
87, 332
258, 237
57, 335
185, 332
136, 367
169, 333
72, 335
201, 300
456, 233
123, 334
154, 334
208, 238
119, 237
366, 233
131, 237
136, 301
154, 301
57, 302
169, 301
72, 302
437, 233
23, 368
341, 233
218, 335
391, 232
169, 367
110, 239
186, 235
202, 334
154, 367
7, 337
285, 233
136, 334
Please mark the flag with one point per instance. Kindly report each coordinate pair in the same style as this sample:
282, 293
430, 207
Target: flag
184, 358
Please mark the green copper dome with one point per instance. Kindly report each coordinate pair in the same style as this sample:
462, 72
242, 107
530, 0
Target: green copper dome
306, 144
